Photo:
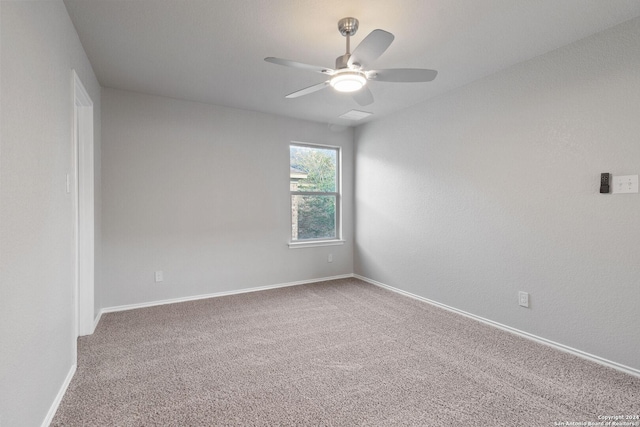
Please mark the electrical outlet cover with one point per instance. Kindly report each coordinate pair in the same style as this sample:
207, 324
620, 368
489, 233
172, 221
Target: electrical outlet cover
625, 184
523, 299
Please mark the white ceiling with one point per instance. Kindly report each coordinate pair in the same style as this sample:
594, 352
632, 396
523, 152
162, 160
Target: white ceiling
212, 51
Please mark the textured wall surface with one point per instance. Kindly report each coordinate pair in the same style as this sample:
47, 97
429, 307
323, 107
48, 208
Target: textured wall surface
39, 49
202, 193
493, 188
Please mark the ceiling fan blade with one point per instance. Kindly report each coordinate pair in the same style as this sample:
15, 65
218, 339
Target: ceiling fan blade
299, 65
371, 48
363, 96
404, 75
308, 90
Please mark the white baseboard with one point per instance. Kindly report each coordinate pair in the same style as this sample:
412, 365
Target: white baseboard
97, 320
562, 347
59, 396
214, 295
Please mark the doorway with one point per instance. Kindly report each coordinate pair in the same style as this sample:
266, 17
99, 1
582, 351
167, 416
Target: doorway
84, 209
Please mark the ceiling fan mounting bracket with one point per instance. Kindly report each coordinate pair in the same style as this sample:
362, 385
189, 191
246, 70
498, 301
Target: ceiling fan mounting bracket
348, 26
343, 61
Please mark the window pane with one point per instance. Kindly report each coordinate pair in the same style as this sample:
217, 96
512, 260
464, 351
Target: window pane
313, 169
313, 217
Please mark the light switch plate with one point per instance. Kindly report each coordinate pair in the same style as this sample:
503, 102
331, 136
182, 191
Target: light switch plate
624, 184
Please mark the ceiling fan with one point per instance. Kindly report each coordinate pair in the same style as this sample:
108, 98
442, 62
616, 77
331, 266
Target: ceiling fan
351, 73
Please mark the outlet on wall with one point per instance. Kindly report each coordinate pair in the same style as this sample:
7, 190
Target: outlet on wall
523, 299
625, 184
330, 258
159, 276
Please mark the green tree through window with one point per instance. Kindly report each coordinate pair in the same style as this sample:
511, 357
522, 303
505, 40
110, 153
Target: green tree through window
314, 186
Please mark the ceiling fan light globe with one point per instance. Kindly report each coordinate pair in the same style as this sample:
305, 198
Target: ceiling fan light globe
350, 81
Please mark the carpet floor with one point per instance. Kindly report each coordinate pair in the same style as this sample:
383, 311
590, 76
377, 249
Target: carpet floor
335, 353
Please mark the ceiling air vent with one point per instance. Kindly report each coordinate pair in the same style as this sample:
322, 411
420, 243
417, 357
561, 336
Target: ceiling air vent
355, 115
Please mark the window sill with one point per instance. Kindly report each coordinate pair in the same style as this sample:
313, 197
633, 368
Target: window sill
315, 243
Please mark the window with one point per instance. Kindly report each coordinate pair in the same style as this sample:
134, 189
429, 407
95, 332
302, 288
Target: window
315, 193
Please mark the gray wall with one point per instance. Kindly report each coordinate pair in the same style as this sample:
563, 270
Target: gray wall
493, 188
465, 199
39, 49
201, 193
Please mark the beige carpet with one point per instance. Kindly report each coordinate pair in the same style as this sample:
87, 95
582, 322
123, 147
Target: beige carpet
338, 353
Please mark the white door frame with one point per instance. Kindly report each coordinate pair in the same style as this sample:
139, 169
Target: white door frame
84, 224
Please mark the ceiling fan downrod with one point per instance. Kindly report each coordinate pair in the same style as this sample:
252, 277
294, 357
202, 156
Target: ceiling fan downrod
347, 27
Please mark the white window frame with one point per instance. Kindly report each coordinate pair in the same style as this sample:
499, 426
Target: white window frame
307, 243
